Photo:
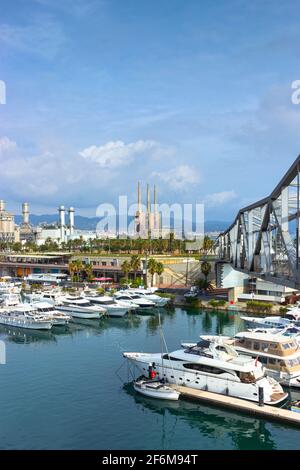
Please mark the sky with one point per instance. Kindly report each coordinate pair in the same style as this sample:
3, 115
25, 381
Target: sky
192, 95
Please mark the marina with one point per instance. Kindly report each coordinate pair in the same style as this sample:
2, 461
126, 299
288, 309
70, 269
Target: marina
83, 363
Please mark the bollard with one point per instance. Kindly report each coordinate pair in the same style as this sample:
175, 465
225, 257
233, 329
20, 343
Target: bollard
260, 396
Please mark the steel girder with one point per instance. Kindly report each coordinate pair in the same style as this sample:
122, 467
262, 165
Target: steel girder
263, 240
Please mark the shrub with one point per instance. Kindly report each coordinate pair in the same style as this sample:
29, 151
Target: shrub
165, 295
259, 307
217, 303
137, 282
283, 310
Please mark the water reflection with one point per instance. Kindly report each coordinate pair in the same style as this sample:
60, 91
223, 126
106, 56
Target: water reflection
25, 336
245, 432
215, 321
212, 322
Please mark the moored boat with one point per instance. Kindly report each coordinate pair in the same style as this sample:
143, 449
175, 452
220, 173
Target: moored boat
205, 367
156, 389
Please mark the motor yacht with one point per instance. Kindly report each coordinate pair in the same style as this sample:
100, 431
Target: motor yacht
142, 303
204, 367
114, 307
45, 308
24, 316
79, 307
279, 354
267, 322
146, 294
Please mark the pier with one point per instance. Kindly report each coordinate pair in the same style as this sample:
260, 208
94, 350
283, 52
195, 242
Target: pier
244, 406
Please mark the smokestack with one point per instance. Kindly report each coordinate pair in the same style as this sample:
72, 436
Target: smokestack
148, 200
155, 215
139, 197
62, 222
25, 213
71, 219
2, 205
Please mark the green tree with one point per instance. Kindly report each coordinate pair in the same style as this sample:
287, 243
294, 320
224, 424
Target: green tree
126, 268
75, 268
208, 244
152, 267
135, 264
159, 268
205, 269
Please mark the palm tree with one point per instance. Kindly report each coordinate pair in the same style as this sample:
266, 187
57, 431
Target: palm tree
208, 244
76, 267
152, 267
126, 268
205, 269
135, 263
88, 271
159, 268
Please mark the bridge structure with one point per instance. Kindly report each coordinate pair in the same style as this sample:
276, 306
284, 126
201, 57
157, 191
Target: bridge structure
263, 241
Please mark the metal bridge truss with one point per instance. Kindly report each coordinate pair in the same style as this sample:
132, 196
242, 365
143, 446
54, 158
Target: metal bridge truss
263, 241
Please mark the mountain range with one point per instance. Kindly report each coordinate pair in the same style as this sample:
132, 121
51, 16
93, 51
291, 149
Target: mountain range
90, 223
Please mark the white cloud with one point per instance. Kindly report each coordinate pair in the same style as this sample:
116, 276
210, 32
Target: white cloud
6, 145
179, 178
44, 36
216, 199
116, 153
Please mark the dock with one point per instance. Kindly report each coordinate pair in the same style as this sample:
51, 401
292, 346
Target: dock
244, 406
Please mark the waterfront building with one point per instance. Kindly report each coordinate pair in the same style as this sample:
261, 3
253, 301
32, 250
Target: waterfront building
27, 231
243, 287
9, 231
64, 230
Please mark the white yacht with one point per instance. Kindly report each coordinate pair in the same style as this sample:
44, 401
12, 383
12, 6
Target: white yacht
74, 305
10, 298
204, 367
267, 322
113, 307
142, 303
7, 287
79, 307
24, 316
45, 308
279, 354
147, 294
293, 313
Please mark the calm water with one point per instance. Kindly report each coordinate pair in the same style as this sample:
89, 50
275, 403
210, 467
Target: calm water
60, 391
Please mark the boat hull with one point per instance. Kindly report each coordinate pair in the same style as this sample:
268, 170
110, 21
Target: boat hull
162, 394
79, 313
213, 384
26, 324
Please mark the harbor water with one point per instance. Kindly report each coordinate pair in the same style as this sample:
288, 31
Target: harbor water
69, 388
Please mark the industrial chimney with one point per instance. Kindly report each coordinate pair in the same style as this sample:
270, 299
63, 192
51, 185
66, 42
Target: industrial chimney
62, 222
25, 213
71, 219
2, 205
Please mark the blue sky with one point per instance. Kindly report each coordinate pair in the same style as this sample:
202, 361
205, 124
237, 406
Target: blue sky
192, 95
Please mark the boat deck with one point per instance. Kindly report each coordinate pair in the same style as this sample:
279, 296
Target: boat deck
266, 411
